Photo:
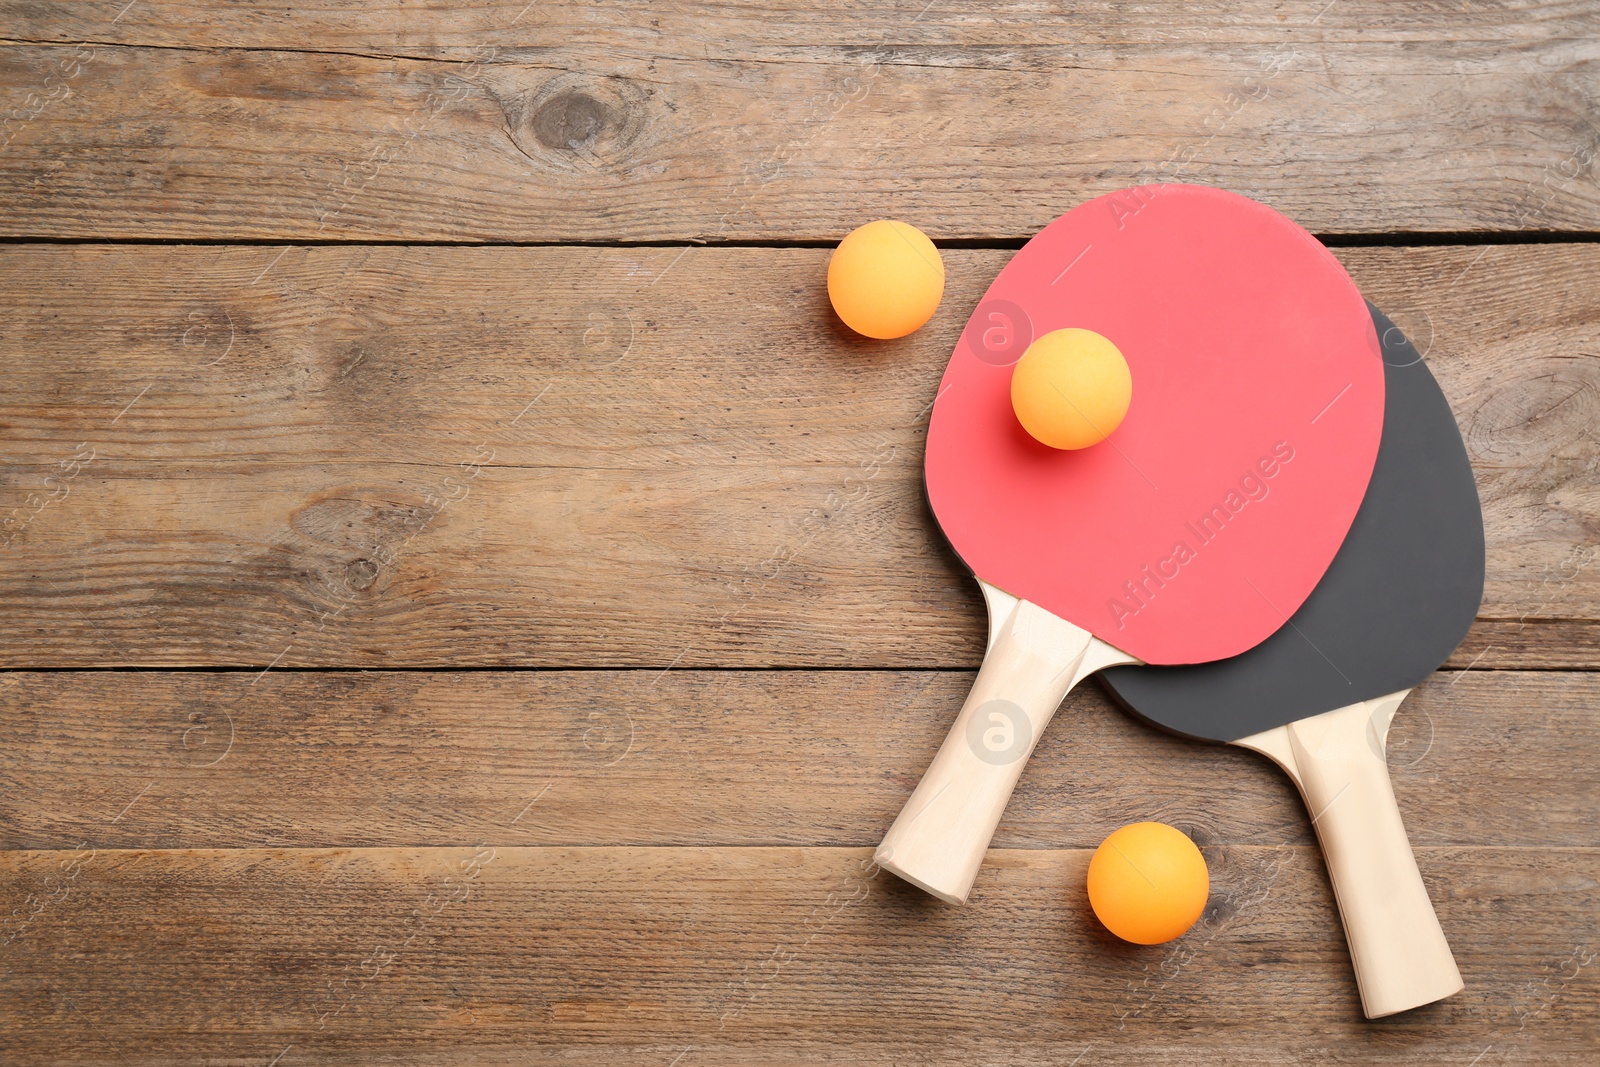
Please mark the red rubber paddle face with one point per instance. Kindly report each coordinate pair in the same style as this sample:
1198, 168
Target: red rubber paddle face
1200, 525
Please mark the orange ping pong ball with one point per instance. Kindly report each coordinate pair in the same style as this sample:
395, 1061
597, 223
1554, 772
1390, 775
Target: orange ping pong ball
1148, 883
885, 279
1071, 388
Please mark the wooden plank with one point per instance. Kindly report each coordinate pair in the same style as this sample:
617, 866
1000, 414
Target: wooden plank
689, 121
426, 30
559, 457
164, 760
777, 955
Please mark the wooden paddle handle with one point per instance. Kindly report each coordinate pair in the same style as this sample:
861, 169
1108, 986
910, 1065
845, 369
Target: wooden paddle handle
1399, 951
940, 837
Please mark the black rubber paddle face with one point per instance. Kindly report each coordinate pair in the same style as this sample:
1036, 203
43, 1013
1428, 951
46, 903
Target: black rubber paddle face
1395, 602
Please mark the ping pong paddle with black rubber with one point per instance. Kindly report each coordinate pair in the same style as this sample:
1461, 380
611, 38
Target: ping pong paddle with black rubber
1318, 696
1189, 533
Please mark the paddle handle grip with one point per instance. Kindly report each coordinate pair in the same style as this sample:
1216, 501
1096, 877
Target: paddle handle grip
941, 835
1401, 957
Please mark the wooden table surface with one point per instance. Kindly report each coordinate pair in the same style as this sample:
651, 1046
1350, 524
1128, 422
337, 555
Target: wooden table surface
464, 599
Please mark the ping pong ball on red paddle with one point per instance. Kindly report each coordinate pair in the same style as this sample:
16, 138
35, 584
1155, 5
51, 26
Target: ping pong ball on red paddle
885, 279
1148, 883
1071, 389
1253, 348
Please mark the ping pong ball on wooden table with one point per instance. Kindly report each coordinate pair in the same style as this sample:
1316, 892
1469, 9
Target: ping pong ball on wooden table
885, 279
1071, 389
1148, 883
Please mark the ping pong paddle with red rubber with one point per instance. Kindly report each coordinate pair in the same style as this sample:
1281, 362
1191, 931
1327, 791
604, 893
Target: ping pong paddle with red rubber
1187, 535
1317, 697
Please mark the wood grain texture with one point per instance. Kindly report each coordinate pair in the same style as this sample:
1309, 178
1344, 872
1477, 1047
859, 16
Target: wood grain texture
165, 760
644, 470
773, 955
691, 121
556, 457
